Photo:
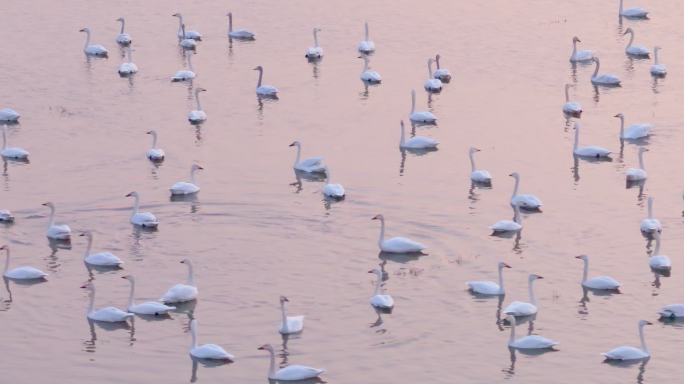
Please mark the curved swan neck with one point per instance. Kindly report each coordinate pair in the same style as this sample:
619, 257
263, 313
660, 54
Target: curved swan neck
512, 339
87, 39
123, 22
650, 208
382, 232
261, 75
643, 341
90, 245
52, 217
403, 135
130, 298
154, 140
622, 126
191, 278
576, 137
413, 102
271, 369
92, 300
518, 218
194, 336
533, 301
598, 64
199, 107
367, 39
378, 286
6, 260
299, 153
515, 189
586, 270
230, 22
137, 205
472, 162
365, 64
286, 328
180, 24
192, 175
567, 96
631, 39
190, 62
315, 38
501, 283
430, 69
641, 160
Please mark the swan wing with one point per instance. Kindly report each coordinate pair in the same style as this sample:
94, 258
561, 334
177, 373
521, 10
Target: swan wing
648, 225
638, 50
382, 301
529, 201
297, 372
606, 79
402, 245
183, 188
518, 308
150, 308
9, 115
480, 176
674, 310
441, 73
267, 90
422, 116
505, 225
572, 107
625, 353
433, 84
59, 232
334, 190
420, 142
592, 151
366, 46
25, 273
660, 262
294, 324
179, 293
144, 218
534, 342
103, 258
584, 55
197, 116
188, 43
183, 75
634, 12
602, 282
659, 69
370, 76
636, 174
310, 162
110, 314
123, 38
241, 33
636, 131
96, 50
155, 153
485, 287
15, 152
314, 52
211, 351
5, 215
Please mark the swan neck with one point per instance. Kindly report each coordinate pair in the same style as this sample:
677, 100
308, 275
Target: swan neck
190, 62
620, 6
641, 161
4, 138
191, 278
192, 174
567, 96
430, 69
299, 153
403, 136
6, 261
230, 22
90, 245
643, 341
286, 327
194, 338
123, 22
622, 126
576, 138
92, 301
437, 62
501, 283
271, 369
261, 75
472, 163
154, 141
515, 189
130, 298
574, 49
378, 286
199, 107
180, 25
533, 301
52, 217
315, 39
367, 37
650, 209
136, 206
512, 339
518, 218
655, 52
365, 65
413, 102
586, 270
631, 39
382, 232
598, 64
87, 39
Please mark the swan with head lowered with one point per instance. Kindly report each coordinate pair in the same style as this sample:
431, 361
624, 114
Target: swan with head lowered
396, 244
635, 131
416, 142
190, 34
658, 261
527, 342
96, 50
379, 300
291, 372
315, 52
571, 107
184, 188
508, 226
592, 151
6, 215
148, 308
312, 164
366, 45
520, 309
526, 201
144, 219
130, 67
488, 287
182, 292
422, 117
671, 311
186, 42
657, 68
57, 232
441, 74
183, 74
14, 153
332, 190
22, 273
239, 33
104, 259
123, 38
9, 115
638, 174
649, 224
638, 50
197, 116
155, 153
633, 12
109, 314
432, 84
206, 351
371, 77
584, 55
264, 90
605, 79
601, 282
631, 353
475, 175
290, 324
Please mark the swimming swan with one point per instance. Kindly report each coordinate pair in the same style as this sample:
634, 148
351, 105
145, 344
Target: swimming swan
432, 84
488, 287
371, 77
290, 324
592, 151
15, 153
105, 259
635, 131
506, 225
638, 50
182, 292
416, 142
240, 33
148, 308
9, 115
584, 55
332, 190
518, 308
606, 79
527, 342
527, 201
442, 74
144, 219
601, 282
109, 314
197, 116
315, 52
291, 372
379, 300
155, 153
186, 42
57, 232
475, 175
658, 261
657, 68
96, 50
649, 224
633, 12
312, 164
183, 188
264, 90
183, 74
128, 68
366, 45
123, 38
571, 107
6, 215
638, 174
190, 34
631, 353
424, 117
206, 351
674, 310
22, 273
396, 244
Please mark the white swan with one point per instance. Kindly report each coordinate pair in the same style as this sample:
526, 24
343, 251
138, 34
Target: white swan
570, 106
366, 45
442, 74
527, 201
190, 34
312, 164
638, 174
148, 308
130, 67
183, 74
638, 50
332, 190
606, 79
488, 287
23, 273
240, 33
290, 324
475, 175
57, 232
9, 115
635, 131
155, 153
506, 225
601, 282
583, 55
144, 219
424, 117
674, 310
291, 372
527, 342
657, 68
96, 50
518, 308
432, 84
206, 351
592, 151
197, 116
315, 52
631, 353
658, 261
264, 90
396, 244
15, 153
633, 12
371, 77
104, 259
379, 300
6, 215
649, 224
182, 292
109, 314
123, 38
183, 188
186, 42
416, 142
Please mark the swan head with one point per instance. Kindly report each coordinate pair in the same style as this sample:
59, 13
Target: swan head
121, 19
430, 61
376, 271
86, 30
198, 90
644, 322
194, 167
49, 204
437, 57
642, 150
186, 261
258, 68
134, 194
628, 30
596, 59
582, 257
129, 278
576, 40
283, 299
88, 234
230, 14
379, 217
296, 143
4, 247
534, 277
473, 150
153, 133
620, 115
515, 175
656, 48
503, 265
266, 347
567, 86
177, 15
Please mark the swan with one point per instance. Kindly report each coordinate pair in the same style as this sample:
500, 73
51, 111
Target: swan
379, 300
371, 77
187, 42
22, 273
96, 50
290, 324
396, 244
633, 12
197, 116
635, 131
149, 308
240, 33
6, 215
264, 90
155, 153
518, 308
291, 372
631, 353
15, 153
183, 188
601, 282
425, 117
475, 175
185, 75
528, 342
527, 201
638, 50
9, 115
123, 38
432, 84
505, 225
416, 142
638, 174
442, 74
332, 190
144, 219
57, 232
657, 68
127, 68
312, 164
182, 292
606, 79
366, 45
109, 314
658, 261
190, 34
315, 52
104, 259
649, 224
489, 288
592, 151
206, 351
674, 310
570, 106
583, 55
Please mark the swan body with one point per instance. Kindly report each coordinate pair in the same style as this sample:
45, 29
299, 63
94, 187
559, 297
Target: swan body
9, 115
649, 224
96, 50
155, 153
185, 75
315, 52
240, 33
518, 308
57, 232
128, 68
290, 324
633, 12
506, 225
528, 342
601, 282
475, 175
190, 34
109, 314
441, 74
638, 174
366, 45
424, 117
332, 190
105, 259
264, 90
635, 131
488, 287
183, 188
592, 151
606, 79
416, 142
631, 353
144, 219
396, 244
526, 201
291, 372
657, 68
312, 164
658, 261
22, 273
379, 300
432, 84
371, 77
182, 292
197, 116
584, 55
14, 153
149, 308
674, 310
571, 107
638, 50
206, 351
123, 38
6, 215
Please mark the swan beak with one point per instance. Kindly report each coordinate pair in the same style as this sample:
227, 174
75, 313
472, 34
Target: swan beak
3, 247
82, 234
82, 30
507, 266
204, 90
646, 150
371, 271
149, 133
375, 218
285, 299
124, 277
539, 277
578, 257
510, 174
292, 145
263, 347
183, 262
579, 41
45, 204
128, 195
649, 323
84, 286
360, 57
477, 150
198, 167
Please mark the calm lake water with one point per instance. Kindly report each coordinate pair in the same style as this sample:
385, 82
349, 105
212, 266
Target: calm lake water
256, 231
